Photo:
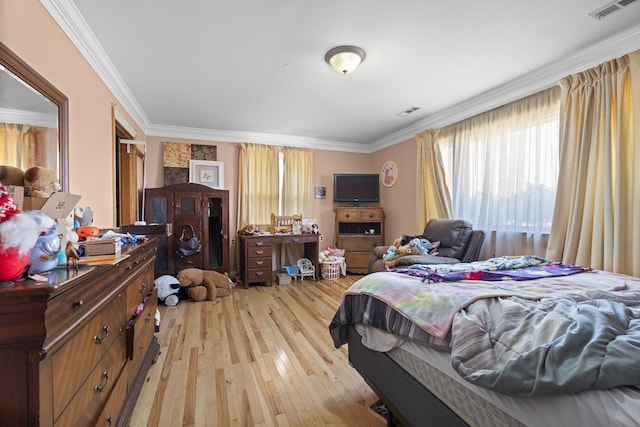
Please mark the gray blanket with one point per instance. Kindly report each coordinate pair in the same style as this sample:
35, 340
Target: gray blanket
560, 345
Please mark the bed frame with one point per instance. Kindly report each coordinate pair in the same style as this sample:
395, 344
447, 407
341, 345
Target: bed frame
407, 400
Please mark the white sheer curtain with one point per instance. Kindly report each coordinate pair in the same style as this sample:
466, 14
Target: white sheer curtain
502, 169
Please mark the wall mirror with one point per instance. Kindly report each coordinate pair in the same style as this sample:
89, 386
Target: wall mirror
34, 126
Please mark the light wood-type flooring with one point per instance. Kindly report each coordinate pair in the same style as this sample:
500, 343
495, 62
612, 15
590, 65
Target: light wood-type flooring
261, 357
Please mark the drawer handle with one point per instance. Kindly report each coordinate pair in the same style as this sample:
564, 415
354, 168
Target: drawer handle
78, 303
142, 288
149, 317
259, 243
100, 387
347, 215
295, 239
259, 252
100, 340
259, 273
109, 421
259, 262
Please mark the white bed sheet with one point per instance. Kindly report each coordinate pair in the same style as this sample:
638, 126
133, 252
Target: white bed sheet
593, 408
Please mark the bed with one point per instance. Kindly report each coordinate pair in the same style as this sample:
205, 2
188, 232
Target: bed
509, 341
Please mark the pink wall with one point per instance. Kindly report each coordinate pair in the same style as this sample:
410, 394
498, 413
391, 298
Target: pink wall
44, 46
399, 201
29, 31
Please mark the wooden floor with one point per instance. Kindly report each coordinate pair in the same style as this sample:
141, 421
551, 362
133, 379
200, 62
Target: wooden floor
261, 357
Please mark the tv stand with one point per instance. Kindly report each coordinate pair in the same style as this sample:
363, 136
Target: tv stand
353, 234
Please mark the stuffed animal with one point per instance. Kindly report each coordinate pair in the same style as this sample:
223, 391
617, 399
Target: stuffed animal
247, 230
18, 235
204, 285
11, 175
168, 290
82, 215
42, 181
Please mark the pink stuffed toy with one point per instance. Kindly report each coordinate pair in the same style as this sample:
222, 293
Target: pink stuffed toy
18, 235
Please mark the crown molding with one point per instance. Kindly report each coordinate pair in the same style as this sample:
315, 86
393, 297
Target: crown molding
255, 137
68, 17
29, 118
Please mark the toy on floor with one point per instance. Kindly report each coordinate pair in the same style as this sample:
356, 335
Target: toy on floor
168, 290
204, 285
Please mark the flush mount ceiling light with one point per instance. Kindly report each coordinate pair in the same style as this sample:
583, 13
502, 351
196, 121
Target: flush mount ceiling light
345, 59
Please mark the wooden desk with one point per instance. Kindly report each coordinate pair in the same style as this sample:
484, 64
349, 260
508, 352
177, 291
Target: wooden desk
256, 254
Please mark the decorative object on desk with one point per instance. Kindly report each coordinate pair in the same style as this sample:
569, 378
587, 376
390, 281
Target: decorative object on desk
72, 255
314, 229
389, 173
306, 268
207, 172
286, 223
18, 234
188, 244
321, 192
247, 230
85, 231
204, 285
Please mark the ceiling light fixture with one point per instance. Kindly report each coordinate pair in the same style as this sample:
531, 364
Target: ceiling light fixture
345, 59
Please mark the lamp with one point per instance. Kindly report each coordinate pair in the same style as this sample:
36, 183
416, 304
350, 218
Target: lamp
345, 59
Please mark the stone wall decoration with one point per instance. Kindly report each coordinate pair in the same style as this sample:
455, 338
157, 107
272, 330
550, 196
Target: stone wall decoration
176, 158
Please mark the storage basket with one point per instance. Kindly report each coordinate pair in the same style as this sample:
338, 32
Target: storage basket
331, 270
284, 279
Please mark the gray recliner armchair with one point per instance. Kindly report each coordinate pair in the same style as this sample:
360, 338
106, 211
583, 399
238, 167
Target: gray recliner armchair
459, 242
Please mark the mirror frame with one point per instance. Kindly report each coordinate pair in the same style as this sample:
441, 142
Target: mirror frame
28, 75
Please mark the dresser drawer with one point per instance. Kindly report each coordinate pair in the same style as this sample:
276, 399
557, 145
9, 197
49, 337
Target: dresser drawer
109, 415
78, 357
138, 290
360, 214
298, 238
85, 408
140, 333
193, 261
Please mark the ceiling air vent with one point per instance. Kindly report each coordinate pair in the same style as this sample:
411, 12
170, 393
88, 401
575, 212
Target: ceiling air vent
610, 8
408, 111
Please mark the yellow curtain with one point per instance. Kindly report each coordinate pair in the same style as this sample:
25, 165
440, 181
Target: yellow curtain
596, 221
432, 199
17, 145
297, 189
257, 184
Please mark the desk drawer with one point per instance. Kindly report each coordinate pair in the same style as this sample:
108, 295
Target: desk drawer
258, 241
258, 252
259, 275
299, 238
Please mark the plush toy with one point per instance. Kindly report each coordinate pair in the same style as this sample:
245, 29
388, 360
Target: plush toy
391, 252
315, 229
11, 175
168, 290
18, 235
42, 181
204, 285
82, 215
44, 254
247, 230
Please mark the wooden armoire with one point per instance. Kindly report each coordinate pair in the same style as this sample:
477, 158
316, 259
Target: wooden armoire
206, 210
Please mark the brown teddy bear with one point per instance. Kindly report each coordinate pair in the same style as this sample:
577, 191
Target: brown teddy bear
204, 284
11, 175
42, 181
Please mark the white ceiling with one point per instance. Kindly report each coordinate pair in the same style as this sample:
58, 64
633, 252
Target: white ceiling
254, 70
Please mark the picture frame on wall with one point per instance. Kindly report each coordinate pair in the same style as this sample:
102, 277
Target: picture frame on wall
321, 193
207, 172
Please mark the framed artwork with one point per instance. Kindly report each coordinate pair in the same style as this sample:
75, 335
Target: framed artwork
207, 172
321, 192
389, 173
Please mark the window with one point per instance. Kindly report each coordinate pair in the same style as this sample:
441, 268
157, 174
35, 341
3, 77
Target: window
502, 166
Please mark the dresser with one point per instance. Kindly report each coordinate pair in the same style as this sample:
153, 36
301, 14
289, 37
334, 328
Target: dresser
74, 351
358, 231
256, 254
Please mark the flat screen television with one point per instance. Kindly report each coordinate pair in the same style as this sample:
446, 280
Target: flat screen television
356, 188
